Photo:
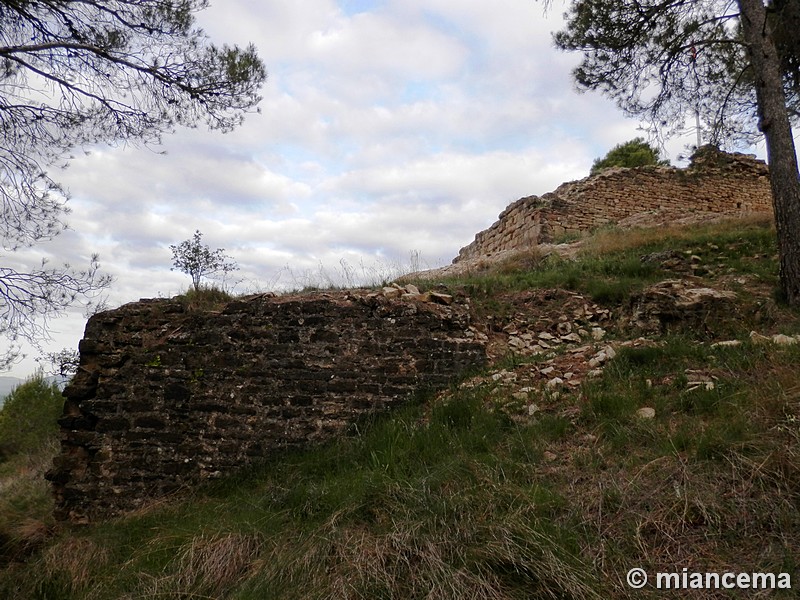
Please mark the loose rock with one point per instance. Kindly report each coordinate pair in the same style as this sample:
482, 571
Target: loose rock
646, 413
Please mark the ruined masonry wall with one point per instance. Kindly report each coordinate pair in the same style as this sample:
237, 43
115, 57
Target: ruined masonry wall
167, 397
716, 183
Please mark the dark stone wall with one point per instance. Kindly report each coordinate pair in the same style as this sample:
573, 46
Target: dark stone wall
167, 396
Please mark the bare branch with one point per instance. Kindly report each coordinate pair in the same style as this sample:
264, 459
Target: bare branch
83, 72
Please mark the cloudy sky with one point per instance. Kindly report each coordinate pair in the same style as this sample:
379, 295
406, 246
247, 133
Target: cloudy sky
390, 133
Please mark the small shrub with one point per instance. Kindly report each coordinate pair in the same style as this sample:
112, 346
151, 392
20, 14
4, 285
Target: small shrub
634, 153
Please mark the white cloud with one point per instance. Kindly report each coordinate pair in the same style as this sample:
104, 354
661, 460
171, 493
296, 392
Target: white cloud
376, 45
386, 129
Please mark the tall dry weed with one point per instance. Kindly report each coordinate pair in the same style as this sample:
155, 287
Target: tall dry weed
76, 559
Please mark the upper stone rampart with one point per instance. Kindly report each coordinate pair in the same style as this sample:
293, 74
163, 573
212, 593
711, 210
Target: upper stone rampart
714, 184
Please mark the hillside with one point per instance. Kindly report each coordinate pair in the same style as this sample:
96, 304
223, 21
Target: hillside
641, 409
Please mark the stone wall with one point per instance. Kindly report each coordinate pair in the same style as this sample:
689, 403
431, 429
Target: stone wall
167, 396
714, 184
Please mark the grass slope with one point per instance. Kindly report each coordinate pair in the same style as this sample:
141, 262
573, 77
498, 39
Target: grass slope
469, 495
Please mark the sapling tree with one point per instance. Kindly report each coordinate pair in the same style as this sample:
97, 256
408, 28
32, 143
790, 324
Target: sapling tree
197, 260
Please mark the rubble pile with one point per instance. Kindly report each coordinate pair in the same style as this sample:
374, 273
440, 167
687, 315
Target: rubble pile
411, 292
533, 388
550, 320
674, 301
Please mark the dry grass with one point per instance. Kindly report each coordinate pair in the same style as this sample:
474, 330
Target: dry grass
76, 560
612, 240
526, 260
455, 499
663, 509
217, 562
205, 567
476, 556
25, 502
204, 299
735, 516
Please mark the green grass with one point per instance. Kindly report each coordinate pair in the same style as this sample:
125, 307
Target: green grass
458, 496
604, 279
384, 514
609, 267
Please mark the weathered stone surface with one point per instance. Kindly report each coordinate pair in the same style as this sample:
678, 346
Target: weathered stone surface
715, 184
192, 395
646, 412
547, 320
675, 300
598, 333
778, 339
440, 298
602, 357
669, 260
726, 344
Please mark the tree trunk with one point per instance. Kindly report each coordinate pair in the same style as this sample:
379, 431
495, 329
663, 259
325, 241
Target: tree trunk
774, 123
